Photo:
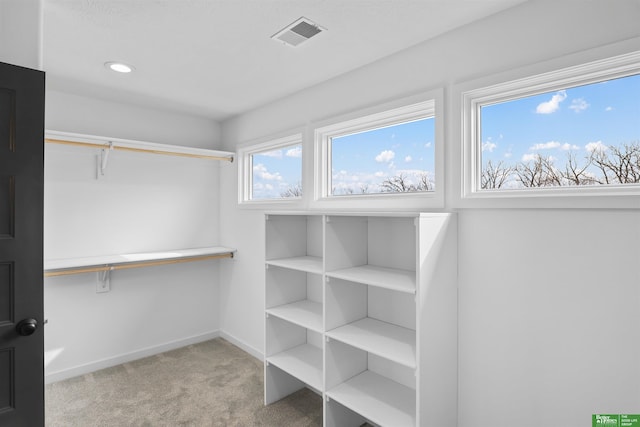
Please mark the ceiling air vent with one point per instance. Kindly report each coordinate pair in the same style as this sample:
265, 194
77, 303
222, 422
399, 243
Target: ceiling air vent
298, 32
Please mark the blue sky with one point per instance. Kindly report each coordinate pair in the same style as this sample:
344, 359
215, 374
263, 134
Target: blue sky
276, 170
577, 120
364, 160
361, 160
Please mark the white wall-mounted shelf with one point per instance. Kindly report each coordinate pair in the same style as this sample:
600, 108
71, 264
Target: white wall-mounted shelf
104, 143
361, 309
61, 267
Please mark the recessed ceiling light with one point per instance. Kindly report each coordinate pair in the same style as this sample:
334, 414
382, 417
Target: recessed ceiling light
119, 67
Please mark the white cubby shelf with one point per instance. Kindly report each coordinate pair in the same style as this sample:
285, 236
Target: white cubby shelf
384, 339
385, 402
305, 313
361, 308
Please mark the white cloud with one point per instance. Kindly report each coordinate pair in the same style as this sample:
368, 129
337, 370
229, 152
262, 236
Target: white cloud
552, 105
427, 145
509, 152
489, 146
385, 156
595, 146
566, 147
294, 152
608, 108
529, 157
408, 159
545, 145
380, 174
261, 171
578, 105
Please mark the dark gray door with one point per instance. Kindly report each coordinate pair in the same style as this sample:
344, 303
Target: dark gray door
21, 209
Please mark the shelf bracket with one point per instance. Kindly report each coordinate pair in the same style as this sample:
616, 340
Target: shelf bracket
103, 283
104, 158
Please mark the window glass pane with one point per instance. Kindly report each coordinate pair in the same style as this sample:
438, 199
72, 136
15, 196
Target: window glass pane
392, 159
277, 173
583, 135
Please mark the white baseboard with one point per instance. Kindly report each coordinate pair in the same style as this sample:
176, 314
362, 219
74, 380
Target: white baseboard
51, 377
243, 345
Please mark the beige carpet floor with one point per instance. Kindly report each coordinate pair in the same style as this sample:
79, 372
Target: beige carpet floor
212, 383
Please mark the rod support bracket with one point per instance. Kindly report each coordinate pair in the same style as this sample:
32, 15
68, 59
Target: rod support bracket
103, 283
104, 157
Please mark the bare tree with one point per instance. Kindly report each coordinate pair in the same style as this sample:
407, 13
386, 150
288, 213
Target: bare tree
424, 184
495, 176
400, 184
396, 184
618, 164
576, 174
294, 190
538, 173
364, 189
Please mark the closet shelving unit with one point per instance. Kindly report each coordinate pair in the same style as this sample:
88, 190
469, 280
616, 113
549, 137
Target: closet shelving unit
294, 305
66, 266
103, 265
109, 144
361, 308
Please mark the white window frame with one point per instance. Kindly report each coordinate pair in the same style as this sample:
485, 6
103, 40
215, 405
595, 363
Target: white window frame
472, 100
406, 110
245, 171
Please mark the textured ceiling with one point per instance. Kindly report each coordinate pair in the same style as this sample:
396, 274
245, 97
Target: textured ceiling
215, 58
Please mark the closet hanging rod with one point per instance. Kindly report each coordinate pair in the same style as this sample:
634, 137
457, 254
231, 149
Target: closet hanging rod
110, 267
138, 150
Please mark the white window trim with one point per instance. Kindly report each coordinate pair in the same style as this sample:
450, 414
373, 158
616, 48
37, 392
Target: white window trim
472, 100
245, 171
416, 108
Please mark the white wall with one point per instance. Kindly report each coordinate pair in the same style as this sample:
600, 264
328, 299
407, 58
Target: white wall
144, 203
537, 288
81, 114
21, 32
